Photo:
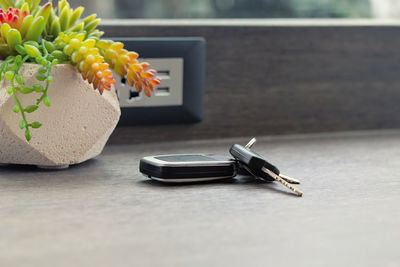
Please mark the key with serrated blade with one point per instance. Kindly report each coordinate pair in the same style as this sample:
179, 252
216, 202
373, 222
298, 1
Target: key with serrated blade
266, 176
259, 167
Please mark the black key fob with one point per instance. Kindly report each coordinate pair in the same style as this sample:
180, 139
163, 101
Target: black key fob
186, 168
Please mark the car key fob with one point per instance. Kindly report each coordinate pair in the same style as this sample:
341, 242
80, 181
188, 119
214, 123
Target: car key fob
186, 168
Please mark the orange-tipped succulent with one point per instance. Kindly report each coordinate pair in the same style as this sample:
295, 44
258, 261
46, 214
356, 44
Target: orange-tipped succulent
125, 63
87, 58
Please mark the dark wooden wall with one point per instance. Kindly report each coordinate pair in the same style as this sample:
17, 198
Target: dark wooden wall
264, 80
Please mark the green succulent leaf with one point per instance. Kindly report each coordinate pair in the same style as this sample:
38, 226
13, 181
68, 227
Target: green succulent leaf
49, 46
76, 15
22, 124
78, 27
20, 49
36, 125
96, 34
61, 5
55, 27
25, 25
9, 75
41, 60
31, 108
4, 29
25, 89
64, 18
28, 135
18, 59
38, 88
34, 43
31, 50
16, 109
41, 77
42, 70
19, 79
46, 101
25, 7
15, 65
89, 19
60, 55
35, 4
13, 38
92, 25
35, 29
45, 11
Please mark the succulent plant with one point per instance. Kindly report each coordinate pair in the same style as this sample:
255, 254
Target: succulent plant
45, 35
125, 63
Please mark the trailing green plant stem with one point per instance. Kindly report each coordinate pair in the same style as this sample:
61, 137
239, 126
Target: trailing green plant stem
33, 52
23, 124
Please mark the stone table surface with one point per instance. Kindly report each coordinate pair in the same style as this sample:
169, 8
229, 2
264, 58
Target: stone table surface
105, 213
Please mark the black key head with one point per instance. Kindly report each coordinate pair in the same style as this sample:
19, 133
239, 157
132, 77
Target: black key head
253, 162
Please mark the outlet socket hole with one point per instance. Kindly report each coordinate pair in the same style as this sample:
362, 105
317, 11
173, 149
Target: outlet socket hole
163, 73
162, 91
134, 95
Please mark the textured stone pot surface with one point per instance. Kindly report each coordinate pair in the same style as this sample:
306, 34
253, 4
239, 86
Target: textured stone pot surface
75, 128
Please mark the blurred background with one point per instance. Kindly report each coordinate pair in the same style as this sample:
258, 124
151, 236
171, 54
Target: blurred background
383, 9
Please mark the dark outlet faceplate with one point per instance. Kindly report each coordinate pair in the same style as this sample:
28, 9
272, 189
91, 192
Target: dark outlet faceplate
192, 51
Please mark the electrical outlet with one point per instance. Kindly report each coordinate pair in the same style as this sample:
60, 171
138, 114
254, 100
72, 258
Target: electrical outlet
168, 93
180, 62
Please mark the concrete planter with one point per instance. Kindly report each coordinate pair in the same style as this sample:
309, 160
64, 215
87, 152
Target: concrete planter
75, 128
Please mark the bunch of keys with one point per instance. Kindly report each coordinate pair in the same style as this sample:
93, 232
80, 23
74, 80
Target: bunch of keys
184, 168
257, 166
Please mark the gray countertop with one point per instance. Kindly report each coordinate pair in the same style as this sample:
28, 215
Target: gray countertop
105, 213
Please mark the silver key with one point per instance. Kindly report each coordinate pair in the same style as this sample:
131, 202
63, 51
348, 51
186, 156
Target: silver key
288, 179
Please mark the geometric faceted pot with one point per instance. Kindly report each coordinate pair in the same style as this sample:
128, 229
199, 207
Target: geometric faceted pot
75, 127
